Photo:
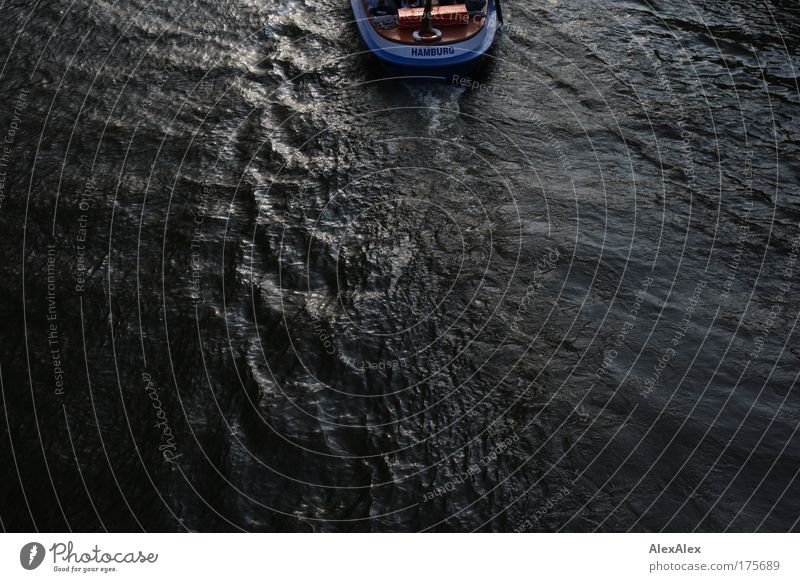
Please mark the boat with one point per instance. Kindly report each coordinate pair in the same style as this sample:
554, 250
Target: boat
431, 39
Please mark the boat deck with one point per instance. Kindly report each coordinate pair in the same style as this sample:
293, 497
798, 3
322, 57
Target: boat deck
450, 34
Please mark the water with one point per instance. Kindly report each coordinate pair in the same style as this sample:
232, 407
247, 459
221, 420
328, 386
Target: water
248, 285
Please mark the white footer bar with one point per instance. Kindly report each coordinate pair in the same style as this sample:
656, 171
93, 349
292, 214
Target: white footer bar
400, 558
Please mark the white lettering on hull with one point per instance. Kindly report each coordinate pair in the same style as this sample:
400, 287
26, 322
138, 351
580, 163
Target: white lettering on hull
433, 51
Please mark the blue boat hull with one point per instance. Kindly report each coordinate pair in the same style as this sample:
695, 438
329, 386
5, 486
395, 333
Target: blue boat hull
428, 61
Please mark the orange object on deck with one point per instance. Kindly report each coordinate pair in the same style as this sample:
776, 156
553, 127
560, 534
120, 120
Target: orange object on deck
440, 16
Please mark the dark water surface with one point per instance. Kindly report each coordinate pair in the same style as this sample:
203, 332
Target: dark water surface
249, 285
